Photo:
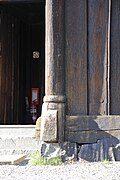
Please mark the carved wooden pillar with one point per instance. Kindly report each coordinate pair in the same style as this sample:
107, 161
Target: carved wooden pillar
53, 110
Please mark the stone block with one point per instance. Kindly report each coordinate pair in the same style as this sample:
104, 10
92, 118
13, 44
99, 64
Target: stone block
49, 126
116, 151
69, 151
106, 148
100, 151
50, 150
89, 152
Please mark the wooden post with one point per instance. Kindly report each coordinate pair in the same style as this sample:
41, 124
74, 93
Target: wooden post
108, 61
53, 110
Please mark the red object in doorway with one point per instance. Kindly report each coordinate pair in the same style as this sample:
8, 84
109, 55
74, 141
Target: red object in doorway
35, 95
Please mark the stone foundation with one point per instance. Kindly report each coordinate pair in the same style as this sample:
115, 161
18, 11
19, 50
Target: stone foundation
105, 149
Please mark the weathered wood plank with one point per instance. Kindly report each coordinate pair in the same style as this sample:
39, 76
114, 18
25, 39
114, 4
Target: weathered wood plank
54, 50
5, 70
8, 61
76, 56
9, 72
16, 55
0, 87
14, 69
0, 65
55, 63
91, 136
82, 123
97, 56
21, 78
3, 66
12, 74
115, 58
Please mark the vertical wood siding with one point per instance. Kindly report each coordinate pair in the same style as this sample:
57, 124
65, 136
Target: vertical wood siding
86, 58
0, 70
76, 56
97, 56
115, 57
19, 72
88, 84
9, 69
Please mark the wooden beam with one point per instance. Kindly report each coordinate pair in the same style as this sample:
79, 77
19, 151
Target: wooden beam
83, 137
54, 77
87, 123
89, 129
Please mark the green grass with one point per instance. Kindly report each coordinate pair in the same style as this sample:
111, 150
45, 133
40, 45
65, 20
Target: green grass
37, 159
105, 162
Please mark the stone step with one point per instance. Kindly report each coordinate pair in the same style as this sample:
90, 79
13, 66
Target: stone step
12, 159
17, 131
26, 152
18, 143
18, 139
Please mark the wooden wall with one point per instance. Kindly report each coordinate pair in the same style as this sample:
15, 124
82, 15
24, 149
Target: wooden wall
9, 75
76, 56
12, 93
19, 71
92, 57
115, 58
92, 54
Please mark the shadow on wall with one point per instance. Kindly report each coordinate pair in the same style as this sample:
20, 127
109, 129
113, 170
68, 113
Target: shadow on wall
96, 136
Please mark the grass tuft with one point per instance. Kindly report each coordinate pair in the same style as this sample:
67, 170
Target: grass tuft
37, 159
105, 162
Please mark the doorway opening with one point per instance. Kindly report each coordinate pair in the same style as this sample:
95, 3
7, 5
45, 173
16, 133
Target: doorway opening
22, 61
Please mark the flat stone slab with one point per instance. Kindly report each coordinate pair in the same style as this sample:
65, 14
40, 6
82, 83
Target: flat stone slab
12, 159
15, 131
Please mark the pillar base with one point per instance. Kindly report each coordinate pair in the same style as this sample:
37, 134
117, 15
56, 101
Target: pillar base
53, 118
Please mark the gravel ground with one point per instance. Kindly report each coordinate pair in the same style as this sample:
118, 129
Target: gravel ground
75, 171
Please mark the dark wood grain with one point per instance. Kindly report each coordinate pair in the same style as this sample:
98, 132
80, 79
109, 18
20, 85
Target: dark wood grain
55, 83
0, 87
10, 70
87, 123
115, 58
76, 56
97, 56
83, 137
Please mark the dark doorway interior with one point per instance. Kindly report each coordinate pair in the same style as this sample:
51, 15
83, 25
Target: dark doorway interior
22, 60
